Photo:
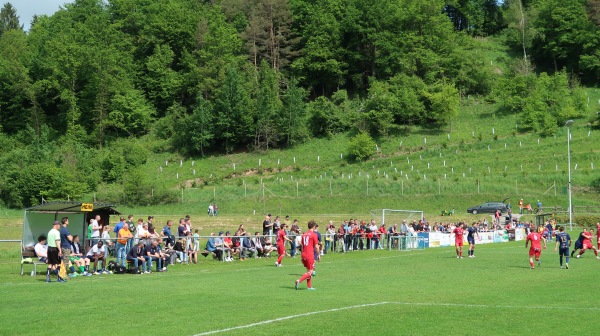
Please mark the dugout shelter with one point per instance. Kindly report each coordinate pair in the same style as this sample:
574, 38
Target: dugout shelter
37, 220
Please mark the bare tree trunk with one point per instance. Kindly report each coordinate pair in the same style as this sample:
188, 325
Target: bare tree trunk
522, 25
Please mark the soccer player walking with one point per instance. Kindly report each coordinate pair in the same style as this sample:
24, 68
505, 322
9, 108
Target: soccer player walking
458, 240
310, 245
536, 247
563, 240
471, 233
281, 239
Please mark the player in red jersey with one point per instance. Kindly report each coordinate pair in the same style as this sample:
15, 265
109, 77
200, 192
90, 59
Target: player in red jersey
281, 239
310, 249
587, 243
598, 234
536, 246
458, 239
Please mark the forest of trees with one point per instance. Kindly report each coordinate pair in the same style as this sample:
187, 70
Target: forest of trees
85, 90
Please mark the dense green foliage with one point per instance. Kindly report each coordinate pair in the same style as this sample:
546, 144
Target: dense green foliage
90, 92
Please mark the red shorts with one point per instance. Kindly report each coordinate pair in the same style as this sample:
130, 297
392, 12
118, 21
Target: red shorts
587, 246
308, 263
458, 243
280, 249
535, 251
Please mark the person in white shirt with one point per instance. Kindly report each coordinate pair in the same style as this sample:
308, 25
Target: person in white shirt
95, 229
41, 249
108, 244
95, 254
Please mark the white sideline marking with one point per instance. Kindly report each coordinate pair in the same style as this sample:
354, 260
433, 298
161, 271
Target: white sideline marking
464, 305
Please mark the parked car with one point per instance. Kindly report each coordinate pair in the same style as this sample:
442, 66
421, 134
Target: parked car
489, 207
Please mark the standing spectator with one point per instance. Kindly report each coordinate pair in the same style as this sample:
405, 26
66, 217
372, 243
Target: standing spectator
196, 245
330, 237
119, 226
41, 249
521, 206
211, 210
267, 225
276, 225
108, 243
497, 217
216, 209
539, 207
295, 232
54, 252
181, 229
166, 232
124, 235
403, 228
143, 233
380, 236
132, 227
509, 213
65, 243
341, 233
95, 230
150, 221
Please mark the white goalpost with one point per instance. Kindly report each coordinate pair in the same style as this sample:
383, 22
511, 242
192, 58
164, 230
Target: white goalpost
393, 216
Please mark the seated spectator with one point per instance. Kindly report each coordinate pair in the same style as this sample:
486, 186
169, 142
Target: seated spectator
267, 246
41, 249
152, 234
167, 252
137, 255
257, 245
180, 251
96, 254
220, 245
77, 258
232, 243
246, 247
154, 255
211, 248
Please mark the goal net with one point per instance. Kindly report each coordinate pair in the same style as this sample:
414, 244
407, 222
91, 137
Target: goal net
391, 216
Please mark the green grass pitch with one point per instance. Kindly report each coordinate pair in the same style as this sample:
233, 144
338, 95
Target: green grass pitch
427, 292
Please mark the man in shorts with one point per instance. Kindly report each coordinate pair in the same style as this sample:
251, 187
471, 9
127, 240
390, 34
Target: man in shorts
578, 242
563, 241
54, 252
471, 233
536, 247
310, 248
281, 239
587, 244
96, 254
458, 240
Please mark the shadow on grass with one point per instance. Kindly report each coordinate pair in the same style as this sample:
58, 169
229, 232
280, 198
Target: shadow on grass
514, 266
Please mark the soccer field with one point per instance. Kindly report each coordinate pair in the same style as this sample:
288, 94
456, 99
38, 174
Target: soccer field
364, 292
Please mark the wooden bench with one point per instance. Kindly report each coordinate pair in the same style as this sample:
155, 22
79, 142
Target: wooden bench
27, 252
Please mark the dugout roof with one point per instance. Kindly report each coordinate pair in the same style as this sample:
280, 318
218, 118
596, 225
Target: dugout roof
37, 220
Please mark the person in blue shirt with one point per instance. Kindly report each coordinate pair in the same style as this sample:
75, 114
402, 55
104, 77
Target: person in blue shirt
471, 233
578, 242
563, 241
119, 225
169, 238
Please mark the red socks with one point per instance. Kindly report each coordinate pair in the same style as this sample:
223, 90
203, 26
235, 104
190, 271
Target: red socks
306, 275
279, 259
